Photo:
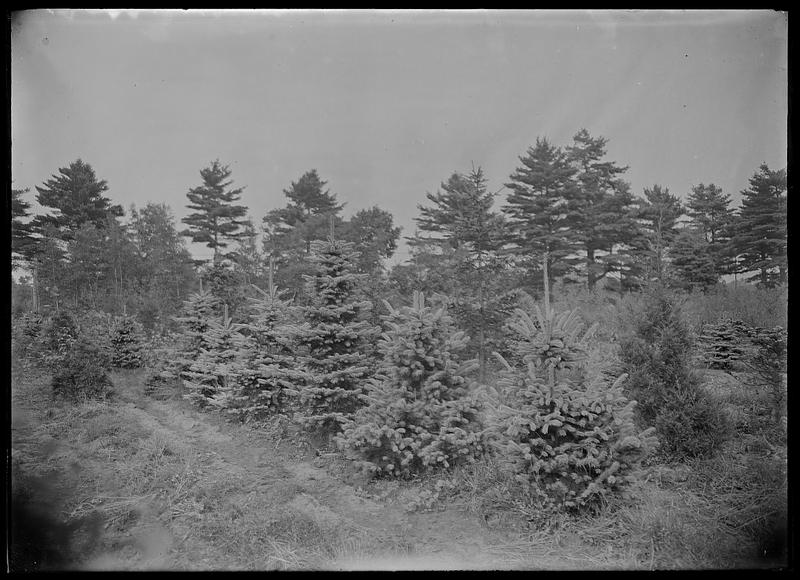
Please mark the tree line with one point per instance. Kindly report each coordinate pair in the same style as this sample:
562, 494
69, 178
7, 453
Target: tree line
568, 212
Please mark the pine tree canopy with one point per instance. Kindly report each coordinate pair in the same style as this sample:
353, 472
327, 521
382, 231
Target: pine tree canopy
76, 194
542, 203
760, 238
217, 218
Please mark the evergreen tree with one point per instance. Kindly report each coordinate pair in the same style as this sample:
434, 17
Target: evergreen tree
290, 230
567, 439
760, 239
270, 377
541, 207
656, 353
603, 208
126, 343
194, 320
374, 236
213, 377
692, 260
22, 241
77, 195
217, 219
420, 415
469, 238
336, 341
658, 214
710, 212
723, 345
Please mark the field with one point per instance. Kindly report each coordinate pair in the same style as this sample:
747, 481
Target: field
137, 483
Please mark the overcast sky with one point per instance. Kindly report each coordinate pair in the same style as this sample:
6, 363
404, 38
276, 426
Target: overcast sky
387, 104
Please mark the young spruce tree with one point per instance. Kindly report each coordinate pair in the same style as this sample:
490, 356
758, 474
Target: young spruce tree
420, 415
335, 340
568, 440
269, 378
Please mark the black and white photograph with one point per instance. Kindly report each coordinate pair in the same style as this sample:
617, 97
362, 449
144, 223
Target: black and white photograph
398, 290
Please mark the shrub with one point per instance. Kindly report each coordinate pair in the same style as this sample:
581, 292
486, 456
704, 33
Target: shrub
420, 416
82, 373
656, 353
567, 440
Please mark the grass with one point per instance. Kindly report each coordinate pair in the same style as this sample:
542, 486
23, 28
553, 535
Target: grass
127, 489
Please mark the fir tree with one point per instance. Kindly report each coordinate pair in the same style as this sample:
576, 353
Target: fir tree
335, 339
126, 344
420, 415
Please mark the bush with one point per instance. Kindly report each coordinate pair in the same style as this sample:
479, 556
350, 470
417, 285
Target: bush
656, 353
755, 306
82, 373
768, 364
419, 416
723, 345
567, 440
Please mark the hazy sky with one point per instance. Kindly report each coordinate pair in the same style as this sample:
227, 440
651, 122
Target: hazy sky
387, 104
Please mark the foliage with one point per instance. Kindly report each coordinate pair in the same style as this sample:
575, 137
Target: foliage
26, 331
723, 345
756, 306
567, 440
267, 383
768, 363
194, 320
603, 212
82, 373
77, 194
540, 206
216, 219
126, 343
710, 213
656, 352
212, 377
760, 239
420, 415
58, 335
692, 264
335, 340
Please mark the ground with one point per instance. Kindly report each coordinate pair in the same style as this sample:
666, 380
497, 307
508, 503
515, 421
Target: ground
142, 484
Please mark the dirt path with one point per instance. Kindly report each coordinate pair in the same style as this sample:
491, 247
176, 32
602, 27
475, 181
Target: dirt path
206, 494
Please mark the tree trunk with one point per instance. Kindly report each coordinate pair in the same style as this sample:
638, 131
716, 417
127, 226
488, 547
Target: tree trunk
591, 278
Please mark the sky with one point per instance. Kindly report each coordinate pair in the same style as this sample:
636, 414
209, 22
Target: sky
386, 105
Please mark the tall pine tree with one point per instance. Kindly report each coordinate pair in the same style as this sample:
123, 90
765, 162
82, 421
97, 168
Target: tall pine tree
541, 208
603, 208
760, 240
217, 219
